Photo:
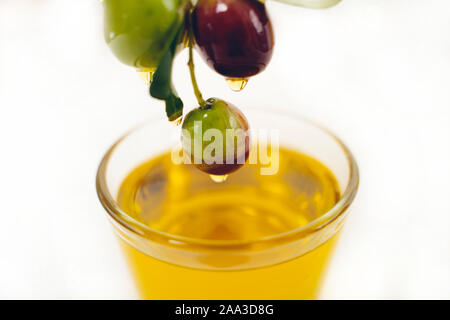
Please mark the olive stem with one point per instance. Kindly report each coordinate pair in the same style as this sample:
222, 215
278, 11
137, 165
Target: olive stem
197, 92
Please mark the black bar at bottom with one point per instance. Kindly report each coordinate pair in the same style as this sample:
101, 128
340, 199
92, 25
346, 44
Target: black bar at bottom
218, 309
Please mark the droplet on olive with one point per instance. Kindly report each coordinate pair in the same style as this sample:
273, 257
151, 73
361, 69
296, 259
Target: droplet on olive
216, 137
139, 31
235, 37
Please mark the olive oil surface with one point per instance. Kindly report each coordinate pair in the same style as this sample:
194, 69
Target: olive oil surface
183, 201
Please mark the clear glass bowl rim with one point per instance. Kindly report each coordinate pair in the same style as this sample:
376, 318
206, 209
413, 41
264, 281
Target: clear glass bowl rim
124, 220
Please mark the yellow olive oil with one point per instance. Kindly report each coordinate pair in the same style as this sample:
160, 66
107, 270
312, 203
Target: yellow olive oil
237, 84
181, 200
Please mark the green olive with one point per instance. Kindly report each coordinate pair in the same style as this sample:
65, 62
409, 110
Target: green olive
139, 31
216, 137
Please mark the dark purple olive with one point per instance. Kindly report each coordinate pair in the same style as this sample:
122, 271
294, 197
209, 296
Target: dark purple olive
235, 37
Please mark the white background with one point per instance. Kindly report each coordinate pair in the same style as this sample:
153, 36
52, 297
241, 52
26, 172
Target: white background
377, 72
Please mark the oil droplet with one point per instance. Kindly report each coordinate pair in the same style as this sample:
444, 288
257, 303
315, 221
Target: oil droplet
177, 121
146, 75
218, 179
237, 84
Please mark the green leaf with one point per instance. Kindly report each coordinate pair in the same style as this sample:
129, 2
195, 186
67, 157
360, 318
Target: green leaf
162, 87
315, 4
